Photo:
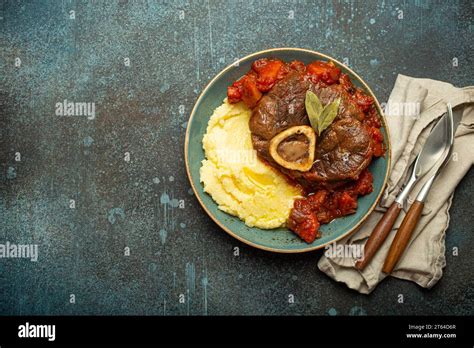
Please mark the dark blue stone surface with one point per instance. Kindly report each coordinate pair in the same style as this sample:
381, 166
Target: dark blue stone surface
174, 49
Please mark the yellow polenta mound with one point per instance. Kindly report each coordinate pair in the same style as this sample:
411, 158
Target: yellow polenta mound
236, 179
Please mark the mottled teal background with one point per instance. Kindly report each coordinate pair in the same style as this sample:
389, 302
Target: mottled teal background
174, 49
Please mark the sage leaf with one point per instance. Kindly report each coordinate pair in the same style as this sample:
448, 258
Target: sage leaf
314, 108
328, 115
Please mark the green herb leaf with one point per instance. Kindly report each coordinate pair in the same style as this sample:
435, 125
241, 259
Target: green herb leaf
314, 108
328, 115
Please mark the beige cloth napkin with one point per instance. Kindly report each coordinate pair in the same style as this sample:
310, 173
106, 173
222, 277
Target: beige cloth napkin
413, 107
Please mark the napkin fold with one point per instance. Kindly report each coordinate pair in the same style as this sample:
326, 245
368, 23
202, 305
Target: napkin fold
413, 107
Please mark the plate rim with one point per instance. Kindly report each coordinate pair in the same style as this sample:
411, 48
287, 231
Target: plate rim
230, 232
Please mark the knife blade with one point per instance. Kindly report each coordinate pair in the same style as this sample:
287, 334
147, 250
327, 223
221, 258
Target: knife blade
432, 149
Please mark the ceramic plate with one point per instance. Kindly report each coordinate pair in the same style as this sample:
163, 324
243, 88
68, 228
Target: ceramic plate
277, 240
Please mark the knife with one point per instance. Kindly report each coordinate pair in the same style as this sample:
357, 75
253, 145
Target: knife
430, 153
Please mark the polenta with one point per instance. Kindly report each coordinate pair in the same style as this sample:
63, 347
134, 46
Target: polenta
236, 179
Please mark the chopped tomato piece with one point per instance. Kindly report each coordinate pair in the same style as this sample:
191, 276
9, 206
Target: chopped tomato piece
326, 72
267, 73
363, 185
304, 223
317, 199
298, 66
325, 216
317, 68
377, 143
234, 95
250, 93
346, 83
347, 203
364, 101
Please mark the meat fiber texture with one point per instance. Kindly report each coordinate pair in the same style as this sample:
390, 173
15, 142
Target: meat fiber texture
342, 151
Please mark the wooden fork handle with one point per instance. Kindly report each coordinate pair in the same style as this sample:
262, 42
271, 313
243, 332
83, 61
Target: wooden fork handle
403, 236
379, 234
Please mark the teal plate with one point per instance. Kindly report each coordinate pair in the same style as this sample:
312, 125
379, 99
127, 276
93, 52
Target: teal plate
277, 240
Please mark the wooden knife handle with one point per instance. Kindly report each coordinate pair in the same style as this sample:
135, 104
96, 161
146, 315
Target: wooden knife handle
379, 234
403, 236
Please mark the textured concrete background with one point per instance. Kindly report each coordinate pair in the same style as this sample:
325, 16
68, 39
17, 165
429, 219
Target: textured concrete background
174, 49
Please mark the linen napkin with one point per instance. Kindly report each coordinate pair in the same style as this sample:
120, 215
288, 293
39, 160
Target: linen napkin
413, 107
